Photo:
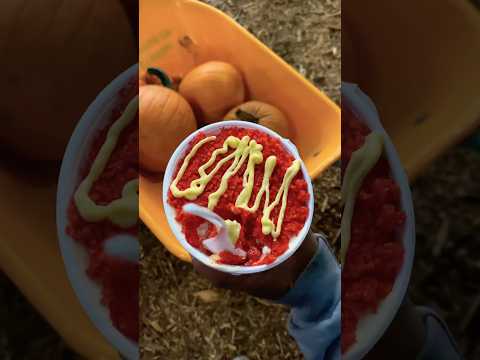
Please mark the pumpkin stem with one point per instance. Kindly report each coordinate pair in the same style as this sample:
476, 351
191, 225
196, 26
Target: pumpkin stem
164, 78
246, 116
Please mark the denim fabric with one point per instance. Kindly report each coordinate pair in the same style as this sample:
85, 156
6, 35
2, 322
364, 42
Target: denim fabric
316, 307
439, 343
315, 319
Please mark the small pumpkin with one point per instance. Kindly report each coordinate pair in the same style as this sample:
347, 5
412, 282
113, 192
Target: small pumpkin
166, 119
263, 114
212, 88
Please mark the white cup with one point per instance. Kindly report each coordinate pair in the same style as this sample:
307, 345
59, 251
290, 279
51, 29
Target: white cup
170, 212
371, 328
74, 255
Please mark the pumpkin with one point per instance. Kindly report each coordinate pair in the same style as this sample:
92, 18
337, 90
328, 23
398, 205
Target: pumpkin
166, 119
212, 89
142, 80
157, 76
56, 59
263, 114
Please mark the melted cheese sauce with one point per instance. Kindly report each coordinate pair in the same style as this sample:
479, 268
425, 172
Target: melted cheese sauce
362, 161
122, 212
243, 148
233, 230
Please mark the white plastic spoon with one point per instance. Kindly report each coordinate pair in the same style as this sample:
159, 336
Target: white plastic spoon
125, 247
221, 242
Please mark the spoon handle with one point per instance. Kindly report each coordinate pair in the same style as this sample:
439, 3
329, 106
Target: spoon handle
220, 242
204, 213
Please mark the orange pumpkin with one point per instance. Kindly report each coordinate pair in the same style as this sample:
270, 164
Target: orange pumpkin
263, 114
153, 76
212, 88
56, 60
166, 119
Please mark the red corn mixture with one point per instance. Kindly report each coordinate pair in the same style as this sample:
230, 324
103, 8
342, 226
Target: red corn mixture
251, 239
376, 253
119, 279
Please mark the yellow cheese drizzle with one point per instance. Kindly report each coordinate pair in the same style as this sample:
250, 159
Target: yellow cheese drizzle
197, 186
361, 162
243, 148
241, 153
256, 157
122, 212
233, 230
268, 227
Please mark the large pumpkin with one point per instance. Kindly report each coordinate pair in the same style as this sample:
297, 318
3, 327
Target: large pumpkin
166, 119
56, 57
212, 89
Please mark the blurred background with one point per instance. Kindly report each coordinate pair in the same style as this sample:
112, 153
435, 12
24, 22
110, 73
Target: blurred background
306, 33
405, 56
183, 316
56, 57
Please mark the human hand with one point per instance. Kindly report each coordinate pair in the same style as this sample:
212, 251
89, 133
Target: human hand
271, 284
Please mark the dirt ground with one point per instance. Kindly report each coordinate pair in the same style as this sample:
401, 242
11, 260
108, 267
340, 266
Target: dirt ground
447, 269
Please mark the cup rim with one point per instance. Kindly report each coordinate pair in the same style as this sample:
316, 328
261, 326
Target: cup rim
372, 326
73, 160
179, 153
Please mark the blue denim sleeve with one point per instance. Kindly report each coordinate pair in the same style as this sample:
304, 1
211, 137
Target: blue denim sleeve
315, 318
439, 343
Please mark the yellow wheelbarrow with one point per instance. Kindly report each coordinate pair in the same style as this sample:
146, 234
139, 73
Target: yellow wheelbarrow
178, 35
420, 63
